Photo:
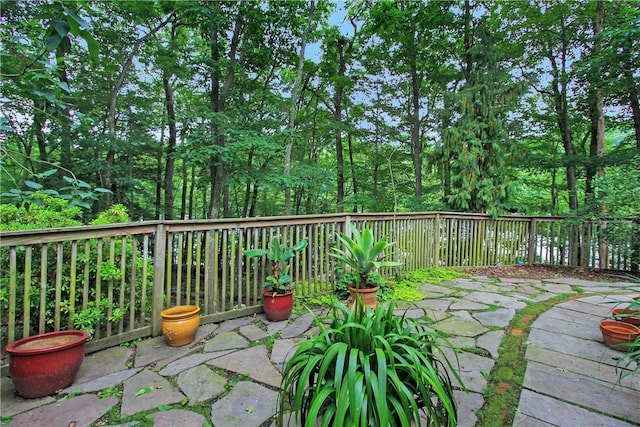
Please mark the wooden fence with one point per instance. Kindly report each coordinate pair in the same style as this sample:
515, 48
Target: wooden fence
117, 278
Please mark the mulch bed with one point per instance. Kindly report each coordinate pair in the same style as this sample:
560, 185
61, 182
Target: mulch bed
549, 272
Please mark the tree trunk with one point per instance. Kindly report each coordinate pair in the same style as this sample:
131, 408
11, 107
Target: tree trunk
292, 110
416, 142
171, 147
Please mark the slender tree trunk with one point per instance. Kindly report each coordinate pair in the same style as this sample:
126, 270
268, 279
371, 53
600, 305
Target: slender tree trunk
352, 165
171, 148
185, 189
159, 153
416, 142
113, 101
293, 108
337, 116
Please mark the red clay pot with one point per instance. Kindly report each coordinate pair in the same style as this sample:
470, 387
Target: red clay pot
627, 315
369, 296
615, 333
180, 324
41, 364
277, 307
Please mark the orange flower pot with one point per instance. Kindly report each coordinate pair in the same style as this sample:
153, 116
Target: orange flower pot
627, 315
180, 324
369, 296
615, 333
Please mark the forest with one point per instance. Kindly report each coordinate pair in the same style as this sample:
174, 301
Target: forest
224, 109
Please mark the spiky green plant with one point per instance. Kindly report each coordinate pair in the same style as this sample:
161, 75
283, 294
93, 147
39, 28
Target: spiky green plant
369, 368
363, 254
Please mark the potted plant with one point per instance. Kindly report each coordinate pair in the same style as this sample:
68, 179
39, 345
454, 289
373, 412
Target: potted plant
41, 364
369, 368
363, 256
277, 296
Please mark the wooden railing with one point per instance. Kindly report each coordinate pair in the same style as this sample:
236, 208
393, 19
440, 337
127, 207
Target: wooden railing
127, 273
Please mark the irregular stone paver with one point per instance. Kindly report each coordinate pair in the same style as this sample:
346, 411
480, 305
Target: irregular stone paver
83, 410
518, 280
558, 413
462, 327
248, 404
156, 349
496, 299
226, 341
189, 362
461, 342
586, 391
490, 341
573, 282
178, 417
101, 383
230, 325
10, 404
415, 313
253, 333
252, 362
472, 369
160, 393
463, 304
275, 327
429, 290
468, 405
556, 288
283, 350
201, 384
103, 363
434, 304
204, 331
500, 317
298, 327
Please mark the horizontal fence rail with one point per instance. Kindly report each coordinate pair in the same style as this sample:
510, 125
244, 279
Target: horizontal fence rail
116, 279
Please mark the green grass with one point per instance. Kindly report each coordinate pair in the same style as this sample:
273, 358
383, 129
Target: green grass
504, 382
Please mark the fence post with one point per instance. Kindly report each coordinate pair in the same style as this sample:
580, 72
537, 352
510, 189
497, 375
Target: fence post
533, 238
436, 235
159, 261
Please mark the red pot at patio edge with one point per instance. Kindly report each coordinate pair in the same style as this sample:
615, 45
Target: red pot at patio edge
627, 315
42, 364
277, 307
616, 333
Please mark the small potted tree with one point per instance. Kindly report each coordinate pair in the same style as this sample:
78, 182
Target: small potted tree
277, 296
363, 256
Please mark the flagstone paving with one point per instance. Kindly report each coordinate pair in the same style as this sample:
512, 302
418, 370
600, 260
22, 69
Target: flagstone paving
235, 367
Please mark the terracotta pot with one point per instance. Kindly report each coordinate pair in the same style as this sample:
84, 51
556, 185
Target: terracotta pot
615, 333
41, 364
277, 307
626, 315
368, 295
180, 324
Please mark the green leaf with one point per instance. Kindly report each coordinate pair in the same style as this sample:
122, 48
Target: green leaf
144, 390
32, 184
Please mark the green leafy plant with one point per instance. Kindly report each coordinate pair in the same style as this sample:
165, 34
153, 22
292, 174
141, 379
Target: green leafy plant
369, 368
279, 281
363, 255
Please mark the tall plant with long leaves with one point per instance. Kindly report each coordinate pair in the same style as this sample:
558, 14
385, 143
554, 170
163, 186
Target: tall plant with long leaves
369, 368
363, 254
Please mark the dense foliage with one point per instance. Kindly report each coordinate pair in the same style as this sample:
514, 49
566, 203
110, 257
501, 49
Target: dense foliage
196, 109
